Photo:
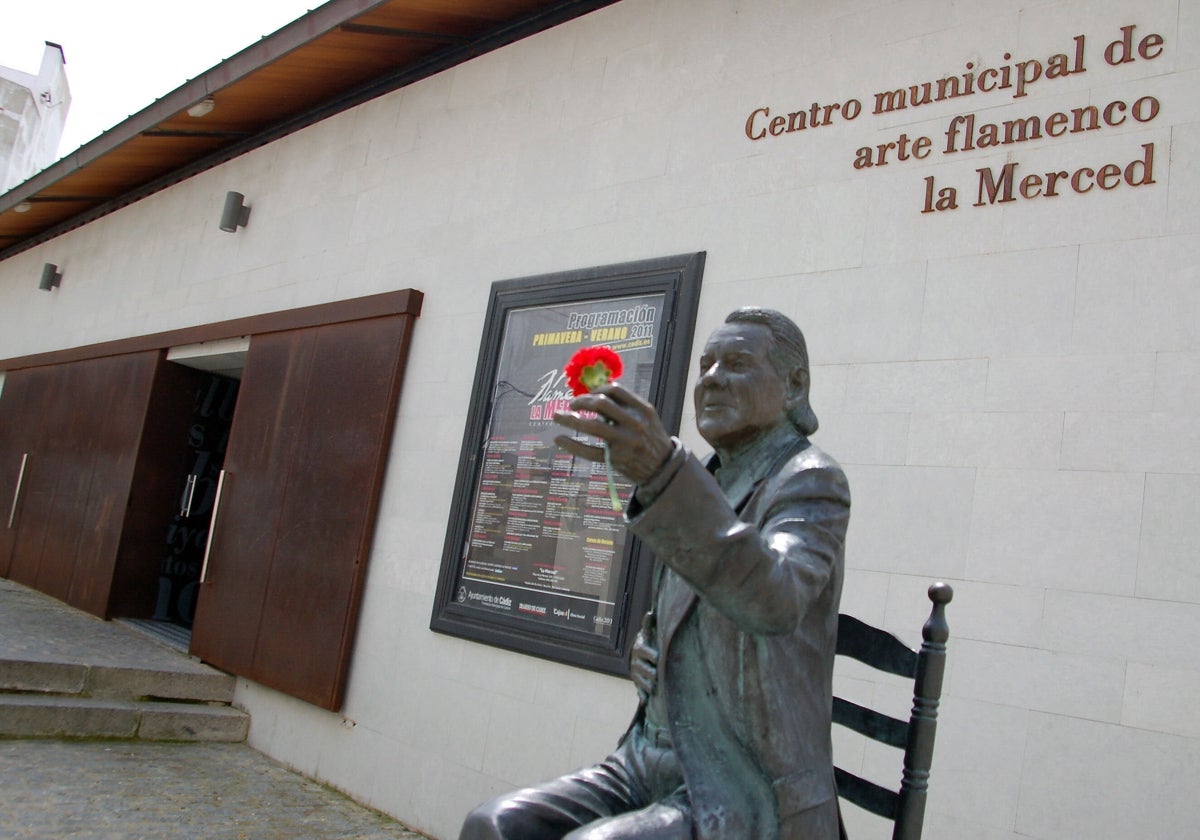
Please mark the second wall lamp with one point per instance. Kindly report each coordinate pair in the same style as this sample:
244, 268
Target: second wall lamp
235, 214
51, 277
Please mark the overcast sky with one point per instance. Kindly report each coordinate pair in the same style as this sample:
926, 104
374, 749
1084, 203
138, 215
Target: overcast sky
123, 54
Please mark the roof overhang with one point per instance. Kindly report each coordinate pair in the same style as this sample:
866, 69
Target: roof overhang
339, 55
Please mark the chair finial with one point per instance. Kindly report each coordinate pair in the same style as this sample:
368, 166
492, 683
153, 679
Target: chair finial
936, 629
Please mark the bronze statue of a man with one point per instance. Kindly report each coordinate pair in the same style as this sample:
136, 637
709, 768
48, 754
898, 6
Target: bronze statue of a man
734, 662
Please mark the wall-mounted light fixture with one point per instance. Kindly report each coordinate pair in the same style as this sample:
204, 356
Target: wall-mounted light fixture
51, 277
235, 214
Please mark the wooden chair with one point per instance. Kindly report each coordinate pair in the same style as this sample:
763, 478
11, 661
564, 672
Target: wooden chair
883, 651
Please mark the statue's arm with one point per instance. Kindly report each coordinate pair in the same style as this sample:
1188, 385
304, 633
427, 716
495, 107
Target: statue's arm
763, 575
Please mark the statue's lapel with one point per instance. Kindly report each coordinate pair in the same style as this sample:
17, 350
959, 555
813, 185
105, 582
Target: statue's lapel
675, 601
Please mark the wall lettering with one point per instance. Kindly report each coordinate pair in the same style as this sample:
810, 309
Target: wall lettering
971, 132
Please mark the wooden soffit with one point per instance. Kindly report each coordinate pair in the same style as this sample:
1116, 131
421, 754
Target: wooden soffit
335, 57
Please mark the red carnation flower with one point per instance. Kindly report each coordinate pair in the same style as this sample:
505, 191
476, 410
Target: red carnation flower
591, 368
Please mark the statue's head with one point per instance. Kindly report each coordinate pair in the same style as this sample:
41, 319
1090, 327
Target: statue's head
789, 354
753, 375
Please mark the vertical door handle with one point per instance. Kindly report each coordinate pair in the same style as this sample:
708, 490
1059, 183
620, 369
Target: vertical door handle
212, 525
12, 512
185, 507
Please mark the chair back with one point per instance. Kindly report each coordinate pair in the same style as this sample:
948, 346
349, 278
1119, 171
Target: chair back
878, 649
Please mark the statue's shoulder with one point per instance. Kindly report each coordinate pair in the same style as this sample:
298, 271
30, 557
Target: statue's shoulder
808, 464
808, 456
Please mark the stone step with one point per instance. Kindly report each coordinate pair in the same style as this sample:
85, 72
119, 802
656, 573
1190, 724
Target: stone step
48, 716
195, 682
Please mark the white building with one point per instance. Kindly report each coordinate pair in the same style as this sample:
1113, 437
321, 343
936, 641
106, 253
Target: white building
985, 216
33, 111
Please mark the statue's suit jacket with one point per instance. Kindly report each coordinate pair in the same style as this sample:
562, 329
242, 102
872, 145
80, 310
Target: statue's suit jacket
746, 628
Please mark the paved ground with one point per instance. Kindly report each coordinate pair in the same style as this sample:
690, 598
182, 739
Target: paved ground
128, 790
36, 628
139, 790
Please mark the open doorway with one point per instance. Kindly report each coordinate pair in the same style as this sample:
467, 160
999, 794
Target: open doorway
194, 454
186, 535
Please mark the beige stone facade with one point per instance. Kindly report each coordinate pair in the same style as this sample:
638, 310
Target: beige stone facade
1012, 382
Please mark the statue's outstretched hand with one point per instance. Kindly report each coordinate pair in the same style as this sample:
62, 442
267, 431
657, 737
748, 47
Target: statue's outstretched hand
637, 441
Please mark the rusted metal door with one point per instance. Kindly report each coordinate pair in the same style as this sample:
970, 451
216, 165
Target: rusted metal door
70, 440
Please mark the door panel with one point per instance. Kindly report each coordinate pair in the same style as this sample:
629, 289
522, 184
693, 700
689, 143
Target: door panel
80, 424
116, 391
324, 533
258, 460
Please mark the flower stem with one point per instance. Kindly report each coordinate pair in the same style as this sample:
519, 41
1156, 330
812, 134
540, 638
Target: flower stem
612, 487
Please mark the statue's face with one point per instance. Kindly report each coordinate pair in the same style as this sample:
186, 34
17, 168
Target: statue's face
739, 395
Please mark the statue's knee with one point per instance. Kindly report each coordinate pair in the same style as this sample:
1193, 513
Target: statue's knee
481, 824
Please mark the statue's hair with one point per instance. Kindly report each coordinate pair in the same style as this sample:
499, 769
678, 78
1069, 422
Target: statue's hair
788, 352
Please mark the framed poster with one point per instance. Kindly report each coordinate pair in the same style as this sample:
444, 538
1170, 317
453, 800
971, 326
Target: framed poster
536, 559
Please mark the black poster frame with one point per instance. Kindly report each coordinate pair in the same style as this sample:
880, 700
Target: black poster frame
677, 280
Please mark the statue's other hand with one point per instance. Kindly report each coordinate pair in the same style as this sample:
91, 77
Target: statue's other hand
643, 666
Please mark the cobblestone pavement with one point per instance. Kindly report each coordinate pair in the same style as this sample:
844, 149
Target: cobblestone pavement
128, 790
